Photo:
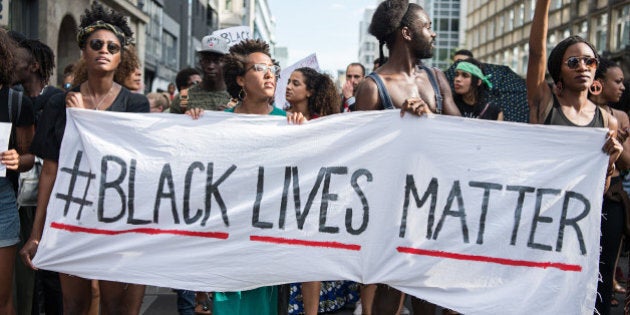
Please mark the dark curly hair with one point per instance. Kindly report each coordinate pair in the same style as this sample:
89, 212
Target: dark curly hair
602, 68
7, 47
236, 61
390, 16
324, 98
624, 101
44, 56
128, 64
181, 80
480, 90
97, 13
554, 64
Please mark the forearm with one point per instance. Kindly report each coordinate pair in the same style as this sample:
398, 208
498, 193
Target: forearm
26, 162
46, 182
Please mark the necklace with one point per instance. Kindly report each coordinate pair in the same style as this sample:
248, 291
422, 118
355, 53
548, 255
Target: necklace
93, 98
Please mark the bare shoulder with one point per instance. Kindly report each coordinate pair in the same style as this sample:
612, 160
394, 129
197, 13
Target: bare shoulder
367, 95
622, 118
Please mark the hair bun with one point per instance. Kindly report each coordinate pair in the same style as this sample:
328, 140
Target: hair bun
387, 18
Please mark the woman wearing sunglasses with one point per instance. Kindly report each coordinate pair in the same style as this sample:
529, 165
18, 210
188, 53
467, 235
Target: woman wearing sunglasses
572, 65
607, 89
101, 37
250, 76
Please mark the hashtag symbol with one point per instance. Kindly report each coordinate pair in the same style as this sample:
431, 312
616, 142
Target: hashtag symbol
75, 173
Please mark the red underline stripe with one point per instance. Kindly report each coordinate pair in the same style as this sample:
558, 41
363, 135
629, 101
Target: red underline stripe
80, 229
501, 261
288, 241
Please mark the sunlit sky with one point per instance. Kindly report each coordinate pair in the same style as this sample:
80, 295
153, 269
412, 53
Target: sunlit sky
329, 28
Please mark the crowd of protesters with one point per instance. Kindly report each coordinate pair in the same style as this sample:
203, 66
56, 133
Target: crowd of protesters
586, 91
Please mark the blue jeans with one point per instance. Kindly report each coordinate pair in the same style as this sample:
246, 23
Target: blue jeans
9, 218
186, 302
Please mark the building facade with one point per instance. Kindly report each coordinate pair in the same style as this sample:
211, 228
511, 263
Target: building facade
447, 24
447, 19
174, 33
253, 13
498, 30
368, 45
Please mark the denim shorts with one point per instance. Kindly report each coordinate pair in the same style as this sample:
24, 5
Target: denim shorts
9, 218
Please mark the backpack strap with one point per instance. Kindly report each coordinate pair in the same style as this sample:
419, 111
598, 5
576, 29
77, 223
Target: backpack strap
483, 111
605, 116
436, 88
15, 109
15, 105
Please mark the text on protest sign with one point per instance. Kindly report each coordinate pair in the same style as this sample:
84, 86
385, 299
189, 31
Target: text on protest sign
368, 197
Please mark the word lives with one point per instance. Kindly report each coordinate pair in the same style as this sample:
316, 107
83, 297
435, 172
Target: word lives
119, 185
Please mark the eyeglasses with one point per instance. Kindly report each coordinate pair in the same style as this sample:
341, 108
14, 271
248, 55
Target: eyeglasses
97, 44
574, 62
261, 67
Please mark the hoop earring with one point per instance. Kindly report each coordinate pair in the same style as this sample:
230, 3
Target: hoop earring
243, 96
596, 88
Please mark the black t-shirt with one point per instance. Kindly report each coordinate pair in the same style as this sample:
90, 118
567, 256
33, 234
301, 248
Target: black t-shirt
26, 112
25, 118
490, 113
47, 141
39, 102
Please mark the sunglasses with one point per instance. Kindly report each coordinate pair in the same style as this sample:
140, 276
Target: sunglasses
97, 45
261, 67
574, 62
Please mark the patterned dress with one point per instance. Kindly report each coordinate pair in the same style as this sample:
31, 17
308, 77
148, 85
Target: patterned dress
333, 296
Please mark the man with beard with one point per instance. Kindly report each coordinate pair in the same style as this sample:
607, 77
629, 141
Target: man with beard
403, 80
211, 93
404, 83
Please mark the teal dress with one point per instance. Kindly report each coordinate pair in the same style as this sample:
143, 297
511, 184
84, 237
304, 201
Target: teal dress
259, 301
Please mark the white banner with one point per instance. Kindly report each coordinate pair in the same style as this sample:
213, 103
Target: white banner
281, 87
234, 35
478, 216
5, 135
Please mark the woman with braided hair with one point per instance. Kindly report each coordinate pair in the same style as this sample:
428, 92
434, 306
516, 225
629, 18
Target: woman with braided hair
15, 159
102, 36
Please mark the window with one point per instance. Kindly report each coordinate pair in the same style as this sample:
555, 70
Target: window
601, 32
524, 59
443, 25
521, 15
583, 30
623, 27
501, 25
169, 48
515, 58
